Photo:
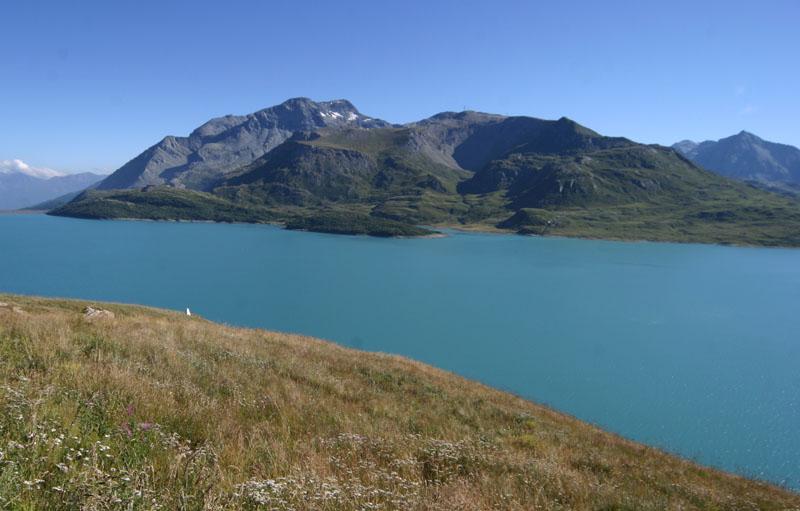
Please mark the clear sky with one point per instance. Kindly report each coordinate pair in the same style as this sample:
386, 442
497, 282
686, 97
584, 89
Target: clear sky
88, 85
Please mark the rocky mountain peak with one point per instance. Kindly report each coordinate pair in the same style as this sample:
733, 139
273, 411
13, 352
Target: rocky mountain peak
218, 125
306, 114
747, 134
748, 157
226, 143
746, 137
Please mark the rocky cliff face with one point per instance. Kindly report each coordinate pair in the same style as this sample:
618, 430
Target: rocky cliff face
226, 143
535, 162
470, 140
302, 159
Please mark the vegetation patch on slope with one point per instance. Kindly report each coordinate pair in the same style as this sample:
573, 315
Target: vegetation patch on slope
347, 222
476, 171
166, 203
152, 409
733, 214
161, 203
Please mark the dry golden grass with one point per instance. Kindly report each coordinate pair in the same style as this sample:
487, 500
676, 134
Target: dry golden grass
157, 410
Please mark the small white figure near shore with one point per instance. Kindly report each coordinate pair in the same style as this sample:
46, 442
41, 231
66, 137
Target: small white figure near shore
188, 312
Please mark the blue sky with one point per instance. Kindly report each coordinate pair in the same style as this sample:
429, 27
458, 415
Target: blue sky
89, 85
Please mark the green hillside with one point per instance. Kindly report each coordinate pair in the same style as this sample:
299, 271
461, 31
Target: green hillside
166, 203
349, 222
640, 192
152, 409
476, 171
342, 166
161, 203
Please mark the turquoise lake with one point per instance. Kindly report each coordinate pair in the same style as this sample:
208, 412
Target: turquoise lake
691, 348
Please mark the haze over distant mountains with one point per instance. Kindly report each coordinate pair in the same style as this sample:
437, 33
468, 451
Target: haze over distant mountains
746, 157
22, 185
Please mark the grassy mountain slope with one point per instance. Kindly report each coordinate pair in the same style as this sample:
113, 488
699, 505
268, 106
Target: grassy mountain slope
152, 409
167, 203
161, 203
342, 166
353, 223
517, 174
638, 192
227, 143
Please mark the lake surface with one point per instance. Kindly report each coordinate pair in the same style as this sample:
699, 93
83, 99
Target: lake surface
692, 348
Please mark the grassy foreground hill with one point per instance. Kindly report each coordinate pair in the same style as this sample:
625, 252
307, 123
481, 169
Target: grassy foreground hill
152, 409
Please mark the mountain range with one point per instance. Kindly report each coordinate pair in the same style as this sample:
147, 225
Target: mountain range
746, 157
325, 166
23, 186
226, 143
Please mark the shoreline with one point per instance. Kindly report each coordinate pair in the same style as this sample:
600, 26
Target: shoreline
29, 307
475, 229
597, 238
21, 304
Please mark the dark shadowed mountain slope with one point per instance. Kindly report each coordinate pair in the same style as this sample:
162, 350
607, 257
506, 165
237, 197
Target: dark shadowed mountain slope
226, 143
438, 155
488, 171
584, 178
472, 139
345, 166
